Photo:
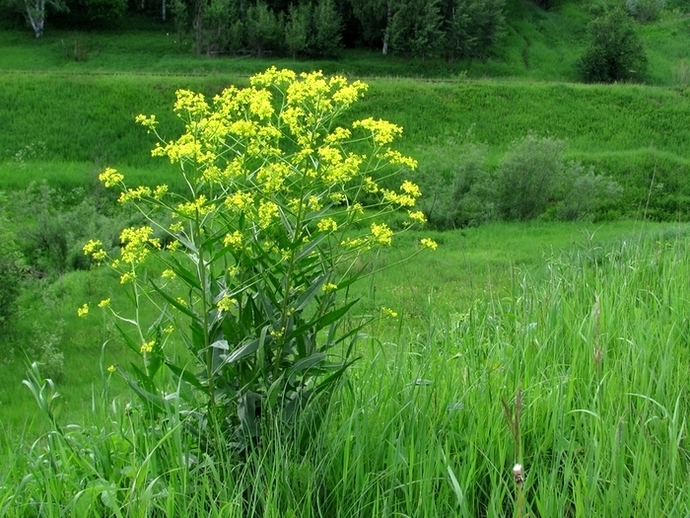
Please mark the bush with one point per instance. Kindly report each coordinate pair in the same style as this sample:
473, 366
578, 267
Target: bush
534, 179
645, 10
469, 201
615, 51
528, 177
11, 271
585, 194
47, 233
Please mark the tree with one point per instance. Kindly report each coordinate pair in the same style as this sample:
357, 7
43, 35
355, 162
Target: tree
265, 30
416, 28
474, 27
103, 11
36, 10
615, 51
375, 17
327, 29
297, 28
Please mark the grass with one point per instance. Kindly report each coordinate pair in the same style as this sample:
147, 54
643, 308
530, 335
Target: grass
591, 338
633, 133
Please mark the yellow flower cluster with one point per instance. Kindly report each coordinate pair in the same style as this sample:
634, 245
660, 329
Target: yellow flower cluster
137, 242
226, 303
429, 243
381, 234
329, 287
198, 207
234, 240
268, 211
327, 225
137, 194
95, 250
147, 347
110, 177
83, 311
382, 132
388, 312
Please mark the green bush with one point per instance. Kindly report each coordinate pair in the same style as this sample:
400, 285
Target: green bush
469, 200
528, 177
11, 271
585, 195
615, 51
645, 10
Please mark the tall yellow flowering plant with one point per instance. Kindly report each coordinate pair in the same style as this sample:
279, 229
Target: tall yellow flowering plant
280, 202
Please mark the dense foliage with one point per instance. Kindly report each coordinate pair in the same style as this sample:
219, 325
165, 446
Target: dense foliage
446, 28
615, 51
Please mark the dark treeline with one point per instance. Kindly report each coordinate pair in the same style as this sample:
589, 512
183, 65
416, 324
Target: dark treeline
452, 29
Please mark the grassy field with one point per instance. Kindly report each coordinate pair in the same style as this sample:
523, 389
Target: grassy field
585, 324
558, 346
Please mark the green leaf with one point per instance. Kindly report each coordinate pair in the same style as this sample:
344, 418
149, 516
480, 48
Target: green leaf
242, 351
311, 292
134, 346
176, 304
323, 320
305, 364
185, 375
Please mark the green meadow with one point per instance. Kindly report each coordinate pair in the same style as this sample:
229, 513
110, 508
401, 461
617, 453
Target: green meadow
561, 346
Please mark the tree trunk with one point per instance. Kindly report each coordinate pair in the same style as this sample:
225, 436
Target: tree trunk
163, 10
36, 11
387, 32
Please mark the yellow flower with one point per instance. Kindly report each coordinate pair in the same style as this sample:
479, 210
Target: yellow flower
329, 287
147, 347
382, 132
417, 216
168, 274
327, 225
268, 211
127, 277
389, 312
239, 201
169, 329
105, 303
110, 177
83, 311
160, 191
194, 207
135, 194
181, 301
234, 240
176, 227
136, 242
225, 303
429, 243
111, 369
411, 188
93, 246
382, 234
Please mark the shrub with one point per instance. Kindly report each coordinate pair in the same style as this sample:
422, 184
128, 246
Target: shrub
262, 248
10, 270
586, 194
469, 200
645, 10
615, 51
528, 177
